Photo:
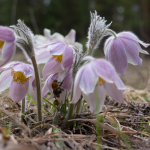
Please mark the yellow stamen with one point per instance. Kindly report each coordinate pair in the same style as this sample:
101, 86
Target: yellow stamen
19, 77
58, 58
1, 44
100, 82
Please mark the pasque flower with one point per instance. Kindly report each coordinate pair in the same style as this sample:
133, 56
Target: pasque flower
57, 37
61, 58
95, 78
66, 85
19, 78
7, 44
124, 49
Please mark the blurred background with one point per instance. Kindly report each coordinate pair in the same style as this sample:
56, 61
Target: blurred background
63, 15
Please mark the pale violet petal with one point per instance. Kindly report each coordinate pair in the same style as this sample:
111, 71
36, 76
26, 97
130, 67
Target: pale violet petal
47, 33
70, 38
18, 91
5, 79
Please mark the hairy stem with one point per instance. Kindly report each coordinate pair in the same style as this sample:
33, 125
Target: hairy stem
23, 107
112, 32
79, 105
38, 85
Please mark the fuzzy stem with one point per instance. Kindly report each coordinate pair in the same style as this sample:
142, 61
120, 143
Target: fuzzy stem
112, 32
98, 119
79, 104
23, 109
38, 85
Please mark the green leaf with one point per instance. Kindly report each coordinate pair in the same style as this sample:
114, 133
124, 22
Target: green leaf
49, 103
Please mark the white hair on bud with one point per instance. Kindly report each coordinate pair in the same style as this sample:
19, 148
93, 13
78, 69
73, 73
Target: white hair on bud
97, 31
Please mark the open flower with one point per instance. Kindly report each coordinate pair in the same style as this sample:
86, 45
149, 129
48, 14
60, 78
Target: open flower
61, 58
20, 78
122, 49
65, 84
7, 45
57, 37
93, 80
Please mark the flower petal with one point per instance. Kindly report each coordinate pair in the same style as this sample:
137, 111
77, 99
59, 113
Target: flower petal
70, 38
117, 56
5, 79
18, 91
56, 49
25, 68
132, 51
57, 37
79, 46
113, 91
47, 33
88, 79
51, 67
32, 90
7, 52
67, 60
77, 90
96, 105
6, 34
104, 69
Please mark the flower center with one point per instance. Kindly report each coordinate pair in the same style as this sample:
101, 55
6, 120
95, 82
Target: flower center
19, 77
100, 82
1, 44
58, 58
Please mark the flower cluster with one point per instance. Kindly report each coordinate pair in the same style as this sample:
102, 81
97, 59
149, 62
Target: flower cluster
68, 73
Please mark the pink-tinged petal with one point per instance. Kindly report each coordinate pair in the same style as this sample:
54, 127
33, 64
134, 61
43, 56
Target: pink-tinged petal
88, 79
108, 44
45, 89
67, 83
25, 68
67, 60
117, 56
18, 91
132, 51
120, 85
6, 34
96, 99
51, 67
45, 45
113, 91
56, 49
32, 90
5, 79
9, 65
141, 50
7, 52
70, 38
47, 33
42, 56
57, 37
104, 69
131, 36
77, 90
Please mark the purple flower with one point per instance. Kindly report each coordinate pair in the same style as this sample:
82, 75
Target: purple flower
7, 45
123, 49
61, 58
66, 85
20, 78
94, 79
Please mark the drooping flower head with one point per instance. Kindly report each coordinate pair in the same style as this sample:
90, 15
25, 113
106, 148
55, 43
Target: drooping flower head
7, 45
97, 75
61, 58
97, 31
124, 49
19, 78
